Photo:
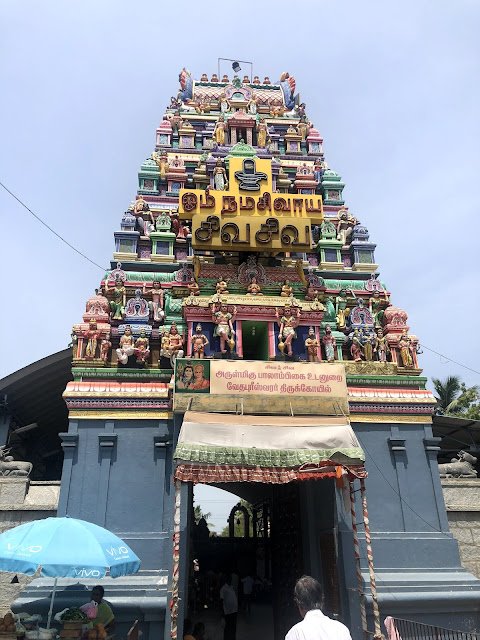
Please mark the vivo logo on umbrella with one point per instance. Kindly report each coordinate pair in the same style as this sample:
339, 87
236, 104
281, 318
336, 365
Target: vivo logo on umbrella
117, 551
24, 549
87, 573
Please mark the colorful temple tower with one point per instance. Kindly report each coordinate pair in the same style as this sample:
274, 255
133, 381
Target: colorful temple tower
244, 296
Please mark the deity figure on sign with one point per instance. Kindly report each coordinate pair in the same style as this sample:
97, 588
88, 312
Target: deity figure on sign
199, 342
341, 309
406, 350
117, 305
356, 348
287, 291
381, 348
328, 342
262, 134
222, 288
224, 327
219, 131
220, 181
368, 346
105, 347
311, 346
156, 305
92, 334
142, 347
287, 325
254, 289
172, 344
126, 347
199, 379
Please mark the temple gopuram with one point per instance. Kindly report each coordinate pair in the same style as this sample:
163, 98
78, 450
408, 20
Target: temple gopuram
243, 337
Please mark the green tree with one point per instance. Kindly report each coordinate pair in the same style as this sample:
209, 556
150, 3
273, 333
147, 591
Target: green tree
198, 513
454, 398
447, 392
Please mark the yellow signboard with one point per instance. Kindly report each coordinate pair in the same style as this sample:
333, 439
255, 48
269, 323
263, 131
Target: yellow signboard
305, 387
250, 215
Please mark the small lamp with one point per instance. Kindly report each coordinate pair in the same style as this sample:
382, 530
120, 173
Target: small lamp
236, 67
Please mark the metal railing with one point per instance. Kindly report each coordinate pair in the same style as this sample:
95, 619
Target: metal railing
411, 630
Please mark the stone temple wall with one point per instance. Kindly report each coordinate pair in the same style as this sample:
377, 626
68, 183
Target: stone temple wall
22, 501
462, 500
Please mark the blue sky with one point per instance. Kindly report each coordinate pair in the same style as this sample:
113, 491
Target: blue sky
392, 87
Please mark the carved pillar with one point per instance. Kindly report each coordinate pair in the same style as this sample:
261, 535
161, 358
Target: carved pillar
239, 338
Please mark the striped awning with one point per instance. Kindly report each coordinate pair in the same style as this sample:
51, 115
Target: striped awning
215, 447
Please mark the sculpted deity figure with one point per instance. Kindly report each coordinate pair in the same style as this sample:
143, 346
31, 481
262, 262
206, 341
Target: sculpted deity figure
254, 289
341, 308
220, 181
117, 305
356, 348
311, 293
346, 222
262, 134
126, 347
311, 346
406, 349
142, 347
252, 106
287, 291
224, 104
105, 347
156, 305
381, 348
303, 128
92, 334
376, 305
172, 344
199, 342
287, 325
140, 209
328, 341
224, 327
9, 467
161, 160
193, 288
368, 346
219, 131
222, 288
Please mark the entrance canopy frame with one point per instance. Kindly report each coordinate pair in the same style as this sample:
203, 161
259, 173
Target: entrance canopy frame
199, 463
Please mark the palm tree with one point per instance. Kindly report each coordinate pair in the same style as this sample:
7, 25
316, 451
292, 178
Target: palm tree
198, 514
447, 394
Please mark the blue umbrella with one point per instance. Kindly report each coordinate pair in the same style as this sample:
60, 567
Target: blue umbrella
65, 548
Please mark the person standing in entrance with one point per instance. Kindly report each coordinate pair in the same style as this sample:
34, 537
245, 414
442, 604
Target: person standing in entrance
230, 609
315, 625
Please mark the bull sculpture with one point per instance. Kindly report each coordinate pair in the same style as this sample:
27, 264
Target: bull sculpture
459, 467
11, 468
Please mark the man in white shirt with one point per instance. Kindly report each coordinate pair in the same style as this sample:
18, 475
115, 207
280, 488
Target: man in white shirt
230, 609
315, 625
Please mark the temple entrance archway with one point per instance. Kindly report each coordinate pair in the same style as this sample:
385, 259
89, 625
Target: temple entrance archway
275, 534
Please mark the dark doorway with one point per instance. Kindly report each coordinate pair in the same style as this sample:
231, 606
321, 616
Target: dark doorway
275, 533
255, 340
